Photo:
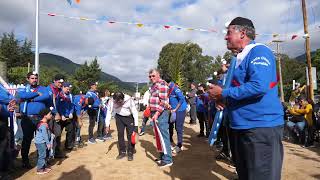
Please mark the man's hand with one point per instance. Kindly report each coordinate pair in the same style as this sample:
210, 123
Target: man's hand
70, 116
215, 92
12, 105
63, 118
219, 105
39, 93
155, 116
49, 146
80, 123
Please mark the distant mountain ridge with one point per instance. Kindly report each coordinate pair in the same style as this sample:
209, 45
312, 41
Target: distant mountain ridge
66, 65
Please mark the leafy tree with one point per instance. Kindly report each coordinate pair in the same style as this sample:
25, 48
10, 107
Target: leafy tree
10, 50
185, 63
86, 74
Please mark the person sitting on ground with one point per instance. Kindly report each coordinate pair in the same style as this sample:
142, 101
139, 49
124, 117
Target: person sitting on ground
301, 116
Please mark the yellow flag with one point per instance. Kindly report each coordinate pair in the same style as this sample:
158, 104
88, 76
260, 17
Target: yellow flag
139, 25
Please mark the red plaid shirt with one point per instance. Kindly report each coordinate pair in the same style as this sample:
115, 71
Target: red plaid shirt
159, 96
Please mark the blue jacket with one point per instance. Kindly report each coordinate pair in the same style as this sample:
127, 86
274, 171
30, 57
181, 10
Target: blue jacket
52, 90
65, 105
96, 99
253, 99
79, 104
5, 98
32, 103
202, 102
177, 97
43, 134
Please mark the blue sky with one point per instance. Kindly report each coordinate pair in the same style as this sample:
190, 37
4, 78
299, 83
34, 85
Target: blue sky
129, 52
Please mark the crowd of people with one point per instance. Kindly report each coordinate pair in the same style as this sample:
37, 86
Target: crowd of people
250, 134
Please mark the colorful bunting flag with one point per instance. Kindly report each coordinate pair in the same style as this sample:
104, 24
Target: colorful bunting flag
166, 26
275, 35
294, 36
140, 25
71, 2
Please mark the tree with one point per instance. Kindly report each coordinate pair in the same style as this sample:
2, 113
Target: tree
86, 74
10, 50
185, 63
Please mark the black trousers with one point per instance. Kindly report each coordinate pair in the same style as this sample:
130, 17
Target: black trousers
92, 121
203, 122
125, 122
28, 129
193, 113
259, 153
101, 127
57, 128
4, 145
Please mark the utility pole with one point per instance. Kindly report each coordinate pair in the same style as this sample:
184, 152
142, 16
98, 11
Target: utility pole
279, 68
308, 55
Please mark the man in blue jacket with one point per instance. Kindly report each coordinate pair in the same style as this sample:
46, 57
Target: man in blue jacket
254, 108
81, 103
7, 103
93, 110
65, 109
33, 100
54, 90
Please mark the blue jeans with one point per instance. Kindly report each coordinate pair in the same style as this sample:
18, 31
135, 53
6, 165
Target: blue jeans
144, 124
42, 153
299, 125
163, 124
179, 127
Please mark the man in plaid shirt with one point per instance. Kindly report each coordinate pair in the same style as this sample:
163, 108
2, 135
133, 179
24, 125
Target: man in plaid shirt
159, 105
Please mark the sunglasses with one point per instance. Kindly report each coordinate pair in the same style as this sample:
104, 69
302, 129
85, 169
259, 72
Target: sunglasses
152, 76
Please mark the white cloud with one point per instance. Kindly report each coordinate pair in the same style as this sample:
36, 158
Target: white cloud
127, 51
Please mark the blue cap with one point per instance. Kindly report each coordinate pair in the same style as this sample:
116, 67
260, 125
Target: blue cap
67, 84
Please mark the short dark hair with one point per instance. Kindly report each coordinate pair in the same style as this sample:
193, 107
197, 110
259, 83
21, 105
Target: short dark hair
58, 77
118, 96
167, 78
31, 73
44, 112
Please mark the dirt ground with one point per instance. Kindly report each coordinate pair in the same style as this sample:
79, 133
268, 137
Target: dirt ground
197, 161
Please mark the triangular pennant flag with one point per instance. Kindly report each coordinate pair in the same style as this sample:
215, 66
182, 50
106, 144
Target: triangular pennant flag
166, 26
111, 22
51, 14
83, 18
70, 2
78, 1
139, 25
190, 29
275, 35
294, 36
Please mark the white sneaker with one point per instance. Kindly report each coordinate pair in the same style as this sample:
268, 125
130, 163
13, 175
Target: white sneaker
176, 150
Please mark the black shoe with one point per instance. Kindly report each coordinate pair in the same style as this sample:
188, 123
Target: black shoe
121, 155
60, 156
163, 164
26, 165
130, 157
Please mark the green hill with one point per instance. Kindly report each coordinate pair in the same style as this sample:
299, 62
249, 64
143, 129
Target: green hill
66, 65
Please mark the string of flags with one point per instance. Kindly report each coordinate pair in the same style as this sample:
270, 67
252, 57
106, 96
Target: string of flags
103, 19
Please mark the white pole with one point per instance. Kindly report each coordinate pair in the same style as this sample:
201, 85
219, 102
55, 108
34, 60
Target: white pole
36, 63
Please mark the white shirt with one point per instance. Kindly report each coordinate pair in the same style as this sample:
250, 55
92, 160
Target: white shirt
126, 109
146, 97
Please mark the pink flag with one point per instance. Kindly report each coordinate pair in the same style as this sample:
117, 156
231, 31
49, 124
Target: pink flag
294, 36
